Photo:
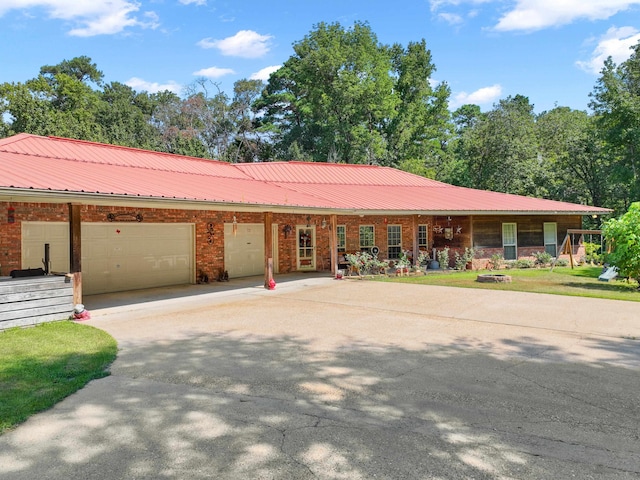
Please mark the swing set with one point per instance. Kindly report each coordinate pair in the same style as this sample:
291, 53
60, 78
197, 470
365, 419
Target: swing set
569, 241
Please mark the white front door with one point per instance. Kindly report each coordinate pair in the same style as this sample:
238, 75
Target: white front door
510, 241
306, 251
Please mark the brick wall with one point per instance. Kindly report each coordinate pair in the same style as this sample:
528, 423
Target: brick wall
209, 256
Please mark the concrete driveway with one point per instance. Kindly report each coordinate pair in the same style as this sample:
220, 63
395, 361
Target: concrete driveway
329, 379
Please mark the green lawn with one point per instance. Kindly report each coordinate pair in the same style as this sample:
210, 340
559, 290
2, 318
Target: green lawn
580, 281
40, 366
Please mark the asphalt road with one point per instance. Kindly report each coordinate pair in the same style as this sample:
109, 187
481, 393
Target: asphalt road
328, 379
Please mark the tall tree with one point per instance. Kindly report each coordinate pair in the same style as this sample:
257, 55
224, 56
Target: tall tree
573, 155
125, 117
247, 145
421, 129
344, 97
616, 101
499, 151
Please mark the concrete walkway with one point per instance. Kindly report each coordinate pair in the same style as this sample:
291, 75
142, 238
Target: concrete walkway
350, 379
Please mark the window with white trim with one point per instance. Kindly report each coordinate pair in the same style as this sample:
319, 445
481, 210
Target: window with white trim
394, 241
367, 238
341, 234
423, 237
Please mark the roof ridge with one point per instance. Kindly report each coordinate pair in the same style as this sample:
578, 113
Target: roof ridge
134, 149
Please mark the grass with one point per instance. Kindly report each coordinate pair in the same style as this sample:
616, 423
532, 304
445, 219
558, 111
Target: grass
40, 366
580, 281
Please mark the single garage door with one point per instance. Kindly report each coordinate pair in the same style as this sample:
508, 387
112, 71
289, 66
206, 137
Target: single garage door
34, 237
244, 249
116, 256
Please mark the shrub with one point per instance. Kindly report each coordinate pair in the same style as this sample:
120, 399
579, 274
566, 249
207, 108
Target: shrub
423, 258
562, 262
592, 253
364, 263
461, 261
543, 258
524, 263
496, 262
443, 257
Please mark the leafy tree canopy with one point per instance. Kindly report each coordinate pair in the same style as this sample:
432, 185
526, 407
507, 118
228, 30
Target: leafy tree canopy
344, 97
623, 234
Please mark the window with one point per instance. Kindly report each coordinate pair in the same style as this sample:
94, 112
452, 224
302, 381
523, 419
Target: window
423, 237
367, 238
551, 238
510, 241
341, 233
394, 241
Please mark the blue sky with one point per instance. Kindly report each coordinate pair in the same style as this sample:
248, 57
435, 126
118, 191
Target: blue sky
548, 50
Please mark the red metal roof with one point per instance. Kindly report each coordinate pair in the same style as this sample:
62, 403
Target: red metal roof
29, 162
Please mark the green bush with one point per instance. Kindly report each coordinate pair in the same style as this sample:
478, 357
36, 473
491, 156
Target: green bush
365, 264
496, 262
543, 258
592, 253
524, 263
461, 261
443, 257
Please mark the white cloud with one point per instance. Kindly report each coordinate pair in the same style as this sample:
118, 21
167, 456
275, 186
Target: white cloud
214, 72
97, 17
482, 96
532, 15
194, 2
437, 4
264, 73
616, 43
451, 18
141, 85
245, 43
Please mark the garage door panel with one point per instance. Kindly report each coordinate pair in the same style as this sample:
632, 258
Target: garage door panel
244, 250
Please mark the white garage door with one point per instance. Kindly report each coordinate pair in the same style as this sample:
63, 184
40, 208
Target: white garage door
244, 250
127, 256
116, 256
34, 237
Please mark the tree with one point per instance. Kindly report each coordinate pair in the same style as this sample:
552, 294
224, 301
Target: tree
81, 68
247, 145
623, 234
573, 154
499, 150
616, 102
125, 117
421, 129
344, 97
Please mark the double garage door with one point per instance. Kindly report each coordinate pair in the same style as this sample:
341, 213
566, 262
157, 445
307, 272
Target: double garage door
116, 256
126, 256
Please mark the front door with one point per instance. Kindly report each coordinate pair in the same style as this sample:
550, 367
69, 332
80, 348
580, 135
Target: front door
306, 256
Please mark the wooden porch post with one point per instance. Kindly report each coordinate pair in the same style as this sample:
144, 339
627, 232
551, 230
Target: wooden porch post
268, 248
333, 243
75, 251
414, 234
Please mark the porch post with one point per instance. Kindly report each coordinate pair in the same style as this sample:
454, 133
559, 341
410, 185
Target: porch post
75, 251
333, 243
414, 235
268, 248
